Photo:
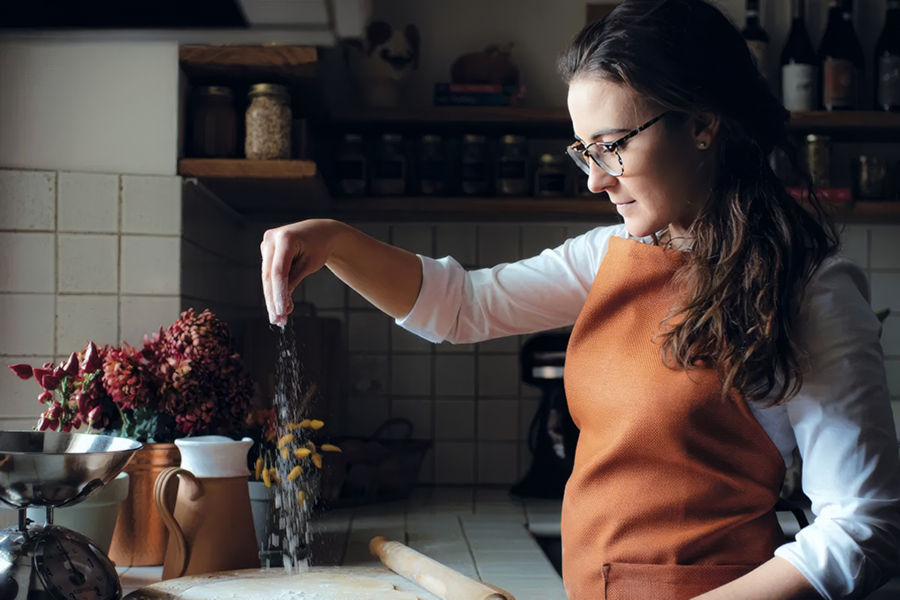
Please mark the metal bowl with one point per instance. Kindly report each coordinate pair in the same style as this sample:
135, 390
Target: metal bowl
48, 468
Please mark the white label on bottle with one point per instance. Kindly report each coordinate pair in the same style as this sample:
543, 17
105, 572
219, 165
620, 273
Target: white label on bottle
759, 50
840, 84
798, 86
888, 80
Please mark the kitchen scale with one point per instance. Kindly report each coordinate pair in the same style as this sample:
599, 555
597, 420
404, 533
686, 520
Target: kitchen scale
52, 469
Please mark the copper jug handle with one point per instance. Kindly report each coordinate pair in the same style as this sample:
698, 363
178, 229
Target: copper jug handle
194, 491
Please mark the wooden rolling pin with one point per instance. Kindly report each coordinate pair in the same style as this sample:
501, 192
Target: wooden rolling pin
438, 579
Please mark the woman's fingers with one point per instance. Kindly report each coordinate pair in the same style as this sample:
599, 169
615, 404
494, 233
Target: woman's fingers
266, 248
285, 255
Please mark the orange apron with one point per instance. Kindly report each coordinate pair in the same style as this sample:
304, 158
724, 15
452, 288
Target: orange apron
673, 489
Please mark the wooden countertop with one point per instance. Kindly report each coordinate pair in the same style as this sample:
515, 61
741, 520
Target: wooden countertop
482, 533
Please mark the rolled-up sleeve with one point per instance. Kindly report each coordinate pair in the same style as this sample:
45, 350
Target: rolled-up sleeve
845, 433
543, 292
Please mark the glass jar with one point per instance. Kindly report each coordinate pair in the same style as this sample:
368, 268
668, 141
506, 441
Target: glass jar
389, 166
550, 176
474, 178
512, 166
432, 166
268, 122
818, 159
213, 123
352, 166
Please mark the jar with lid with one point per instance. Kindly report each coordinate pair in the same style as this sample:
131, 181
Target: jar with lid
818, 159
268, 122
512, 166
213, 123
550, 176
389, 166
475, 179
431, 166
351, 166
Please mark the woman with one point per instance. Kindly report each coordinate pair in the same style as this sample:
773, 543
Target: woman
716, 330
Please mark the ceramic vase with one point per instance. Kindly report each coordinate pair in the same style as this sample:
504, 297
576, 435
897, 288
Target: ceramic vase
140, 536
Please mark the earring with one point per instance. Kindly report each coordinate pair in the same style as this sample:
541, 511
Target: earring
702, 145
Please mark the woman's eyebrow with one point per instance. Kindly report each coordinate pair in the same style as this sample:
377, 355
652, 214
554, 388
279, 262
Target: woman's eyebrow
602, 132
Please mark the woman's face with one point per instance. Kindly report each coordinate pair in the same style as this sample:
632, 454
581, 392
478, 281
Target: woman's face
666, 175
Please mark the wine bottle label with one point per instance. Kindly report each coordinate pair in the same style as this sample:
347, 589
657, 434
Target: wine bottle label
839, 89
759, 50
798, 86
888, 80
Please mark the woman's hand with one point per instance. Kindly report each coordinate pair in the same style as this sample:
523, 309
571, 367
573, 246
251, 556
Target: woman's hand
386, 276
289, 254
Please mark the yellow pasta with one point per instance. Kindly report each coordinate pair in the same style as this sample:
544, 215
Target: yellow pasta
273, 474
316, 424
317, 459
301, 453
301, 497
304, 423
285, 440
259, 466
329, 448
295, 473
285, 452
266, 478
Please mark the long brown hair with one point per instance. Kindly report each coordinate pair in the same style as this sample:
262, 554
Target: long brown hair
754, 248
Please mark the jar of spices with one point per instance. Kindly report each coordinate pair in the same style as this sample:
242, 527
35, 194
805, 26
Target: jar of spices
512, 166
389, 166
475, 179
818, 159
432, 166
268, 122
352, 166
213, 123
550, 176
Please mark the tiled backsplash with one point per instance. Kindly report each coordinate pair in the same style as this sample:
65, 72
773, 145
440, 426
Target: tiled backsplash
112, 257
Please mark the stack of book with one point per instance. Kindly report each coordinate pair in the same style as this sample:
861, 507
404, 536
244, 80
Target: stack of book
477, 94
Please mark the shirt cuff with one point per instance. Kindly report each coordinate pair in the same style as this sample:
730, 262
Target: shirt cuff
434, 314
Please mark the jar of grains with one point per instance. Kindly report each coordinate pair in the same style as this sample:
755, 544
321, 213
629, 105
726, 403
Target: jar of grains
550, 176
352, 166
213, 123
818, 159
432, 166
512, 166
268, 122
389, 166
475, 175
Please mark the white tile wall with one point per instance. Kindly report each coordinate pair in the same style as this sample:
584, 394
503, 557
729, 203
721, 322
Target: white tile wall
495, 460
144, 315
88, 202
88, 263
151, 264
27, 262
20, 396
454, 419
84, 318
151, 204
27, 200
26, 326
455, 375
411, 375
454, 462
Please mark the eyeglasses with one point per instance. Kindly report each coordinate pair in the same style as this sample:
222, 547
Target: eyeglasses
606, 154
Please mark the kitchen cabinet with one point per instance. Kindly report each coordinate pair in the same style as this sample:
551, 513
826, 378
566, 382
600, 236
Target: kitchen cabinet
290, 189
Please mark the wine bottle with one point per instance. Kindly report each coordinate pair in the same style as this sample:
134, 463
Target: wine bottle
756, 37
887, 61
799, 63
842, 59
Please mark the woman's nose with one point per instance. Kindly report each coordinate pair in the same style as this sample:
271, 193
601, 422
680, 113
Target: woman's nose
599, 180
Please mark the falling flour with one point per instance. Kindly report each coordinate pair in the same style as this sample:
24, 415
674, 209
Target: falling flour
289, 531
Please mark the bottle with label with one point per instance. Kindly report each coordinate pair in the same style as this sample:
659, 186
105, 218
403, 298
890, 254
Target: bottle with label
799, 63
842, 59
887, 61
756, 36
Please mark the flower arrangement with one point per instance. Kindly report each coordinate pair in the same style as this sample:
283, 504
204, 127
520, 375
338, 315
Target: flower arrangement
185, 380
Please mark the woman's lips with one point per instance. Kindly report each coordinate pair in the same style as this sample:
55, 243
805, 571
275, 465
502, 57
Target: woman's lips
623, 206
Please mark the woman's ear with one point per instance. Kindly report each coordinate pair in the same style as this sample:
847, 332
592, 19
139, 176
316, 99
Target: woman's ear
705, 128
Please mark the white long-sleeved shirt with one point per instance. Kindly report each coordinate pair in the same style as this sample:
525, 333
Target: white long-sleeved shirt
840, 422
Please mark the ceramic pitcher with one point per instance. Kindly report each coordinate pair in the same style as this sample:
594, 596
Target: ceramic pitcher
211, 526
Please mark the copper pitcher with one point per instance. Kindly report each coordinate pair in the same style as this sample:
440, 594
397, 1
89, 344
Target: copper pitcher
211, 526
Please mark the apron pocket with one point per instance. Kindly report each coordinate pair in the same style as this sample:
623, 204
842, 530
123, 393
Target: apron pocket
629, 581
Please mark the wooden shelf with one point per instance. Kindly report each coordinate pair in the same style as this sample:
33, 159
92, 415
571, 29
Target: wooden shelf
276, 63
243, 168
466, 208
